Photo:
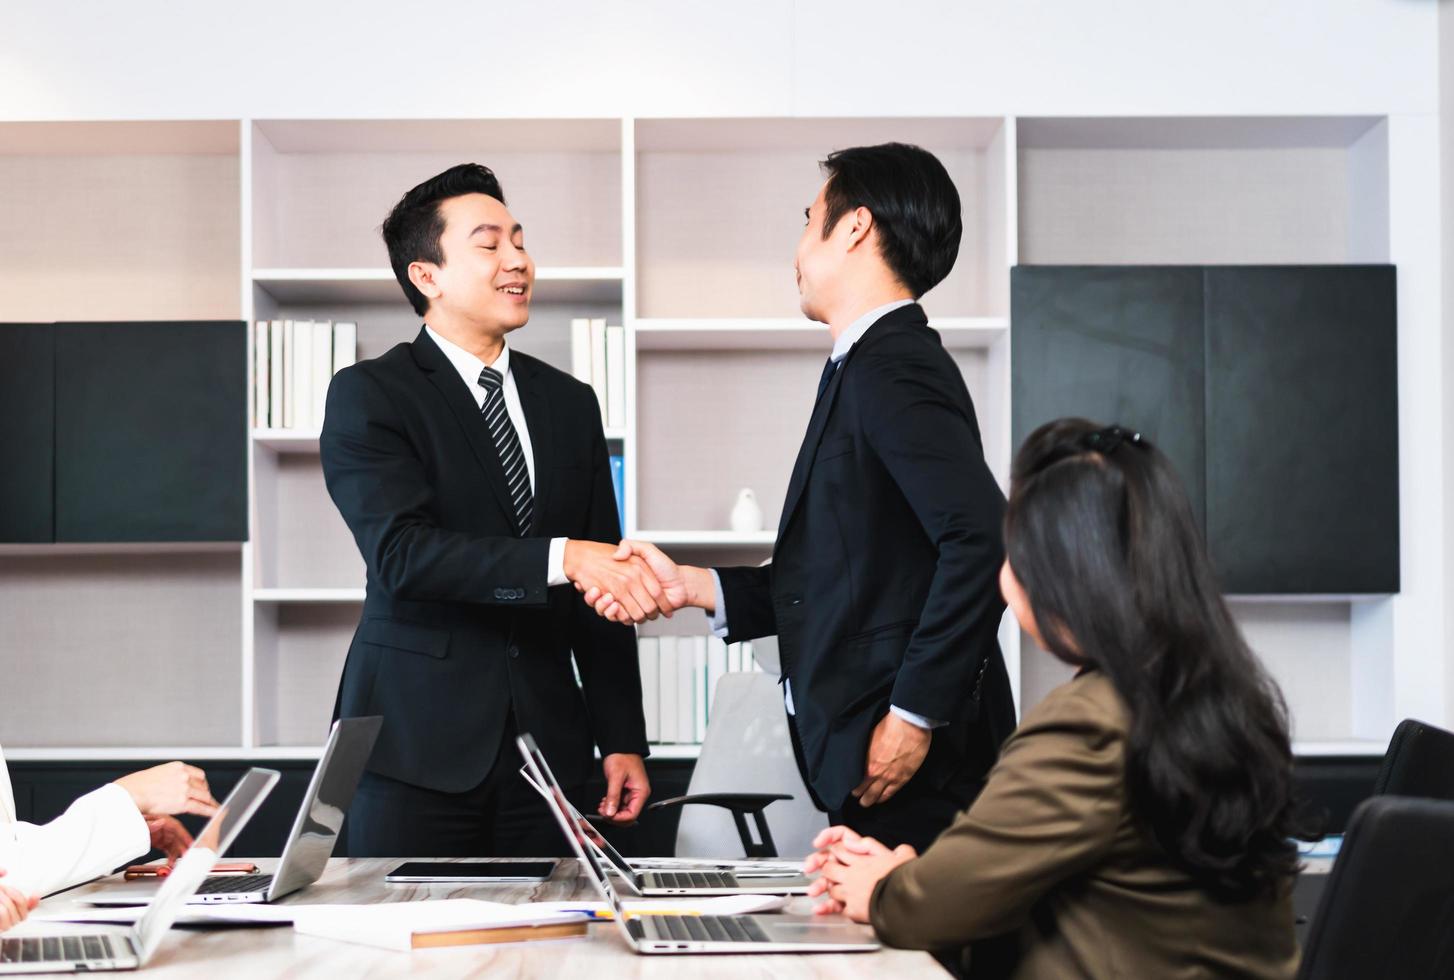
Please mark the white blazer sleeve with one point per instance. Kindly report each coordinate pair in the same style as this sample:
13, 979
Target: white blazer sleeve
100, 831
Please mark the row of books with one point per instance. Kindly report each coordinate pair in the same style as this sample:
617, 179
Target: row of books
679, 675
294, 360
598, 357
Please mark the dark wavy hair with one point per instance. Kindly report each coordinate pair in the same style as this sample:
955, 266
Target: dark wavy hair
1100, 534
412, 229
914, 204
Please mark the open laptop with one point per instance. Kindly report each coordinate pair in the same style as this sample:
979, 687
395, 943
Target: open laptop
706, 879
692, 933
311, 841
48, 950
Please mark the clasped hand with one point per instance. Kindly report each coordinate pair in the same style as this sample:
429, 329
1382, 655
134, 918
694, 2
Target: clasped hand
631, 582
849, 866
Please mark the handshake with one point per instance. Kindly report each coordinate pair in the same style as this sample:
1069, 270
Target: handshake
634, 581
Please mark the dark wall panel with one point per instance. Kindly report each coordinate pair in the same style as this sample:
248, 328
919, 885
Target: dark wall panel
1302, 428
1116, 345
151, 431
27, 432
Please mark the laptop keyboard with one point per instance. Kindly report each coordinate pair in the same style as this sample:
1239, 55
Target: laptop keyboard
702, 929
691, 879
56, 949
228, 884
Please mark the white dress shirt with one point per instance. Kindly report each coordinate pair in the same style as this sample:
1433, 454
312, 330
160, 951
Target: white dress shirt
841, 347
99, 832
469, 367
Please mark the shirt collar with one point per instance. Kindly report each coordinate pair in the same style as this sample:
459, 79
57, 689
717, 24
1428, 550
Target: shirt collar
468, 365
859, 327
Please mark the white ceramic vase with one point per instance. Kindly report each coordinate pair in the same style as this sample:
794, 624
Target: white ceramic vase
746, 514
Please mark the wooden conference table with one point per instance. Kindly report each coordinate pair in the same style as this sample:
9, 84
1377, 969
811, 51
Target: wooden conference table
224, 953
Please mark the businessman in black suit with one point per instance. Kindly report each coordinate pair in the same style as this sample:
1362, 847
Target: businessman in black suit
476, 482
883, 585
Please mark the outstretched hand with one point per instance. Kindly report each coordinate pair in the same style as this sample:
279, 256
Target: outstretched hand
676, 583
637, 594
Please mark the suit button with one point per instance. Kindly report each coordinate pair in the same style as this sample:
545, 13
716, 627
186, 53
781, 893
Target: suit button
796, 602
517, 593
514, 653
499, 593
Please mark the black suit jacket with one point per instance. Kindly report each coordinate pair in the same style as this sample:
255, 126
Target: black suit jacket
458, 626
883, 588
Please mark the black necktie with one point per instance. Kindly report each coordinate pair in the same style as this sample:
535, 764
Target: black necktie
829, 370
507, 444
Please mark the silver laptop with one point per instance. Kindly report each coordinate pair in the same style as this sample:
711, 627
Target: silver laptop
692, 933
686, 878
313, 837
47, 950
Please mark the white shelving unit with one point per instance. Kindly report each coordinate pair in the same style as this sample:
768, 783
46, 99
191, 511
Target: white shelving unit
683, 231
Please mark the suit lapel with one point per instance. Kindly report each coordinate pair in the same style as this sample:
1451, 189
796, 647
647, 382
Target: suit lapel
530, 383
906, 316
804, 464
442, 376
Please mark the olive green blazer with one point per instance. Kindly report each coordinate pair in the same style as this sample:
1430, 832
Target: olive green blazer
1050, 853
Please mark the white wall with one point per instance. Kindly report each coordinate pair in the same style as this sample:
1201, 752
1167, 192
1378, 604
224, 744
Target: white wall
469, 58
148, 59
1446, 170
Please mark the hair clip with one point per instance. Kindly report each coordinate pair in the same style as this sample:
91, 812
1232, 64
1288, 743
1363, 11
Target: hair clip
1108, 440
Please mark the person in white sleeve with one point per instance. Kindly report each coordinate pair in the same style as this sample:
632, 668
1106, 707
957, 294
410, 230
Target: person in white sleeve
100, 831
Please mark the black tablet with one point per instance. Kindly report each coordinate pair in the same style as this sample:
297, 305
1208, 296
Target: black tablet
471, 871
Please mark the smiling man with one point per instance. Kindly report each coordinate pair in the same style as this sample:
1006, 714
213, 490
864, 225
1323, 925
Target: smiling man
476, 482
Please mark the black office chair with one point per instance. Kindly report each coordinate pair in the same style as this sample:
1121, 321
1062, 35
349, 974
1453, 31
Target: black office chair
1419, 762
1388, 909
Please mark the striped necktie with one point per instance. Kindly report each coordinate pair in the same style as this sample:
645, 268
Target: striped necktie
507, 444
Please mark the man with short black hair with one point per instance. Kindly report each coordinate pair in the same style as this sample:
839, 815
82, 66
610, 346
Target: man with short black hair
883, 585
476, 482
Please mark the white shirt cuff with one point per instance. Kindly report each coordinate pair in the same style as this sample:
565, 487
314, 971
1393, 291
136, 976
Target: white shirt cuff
555, 563
718, 622
918, 721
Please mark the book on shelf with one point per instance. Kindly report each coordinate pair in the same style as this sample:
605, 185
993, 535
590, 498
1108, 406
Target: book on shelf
295, 361
261, 387
289, 403
716, 666
686, 702
276, 375
598, 358
598, 365
345, 345
649, 657
618, 483
580, 349
302, 374
667, 682
615, 377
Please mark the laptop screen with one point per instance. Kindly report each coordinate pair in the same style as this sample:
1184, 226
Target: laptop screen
566, 817
315, 829
196, 864
591, 836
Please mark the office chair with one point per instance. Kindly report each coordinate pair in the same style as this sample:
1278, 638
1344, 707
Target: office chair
1419, 762
747, 745
1389, 903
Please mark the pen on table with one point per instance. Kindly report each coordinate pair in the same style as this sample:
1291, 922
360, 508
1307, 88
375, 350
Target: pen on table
608, 914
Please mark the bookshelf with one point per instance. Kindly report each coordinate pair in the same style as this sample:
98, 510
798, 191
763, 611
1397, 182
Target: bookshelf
681, 230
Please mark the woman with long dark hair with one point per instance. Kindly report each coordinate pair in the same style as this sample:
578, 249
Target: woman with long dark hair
1139, 821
